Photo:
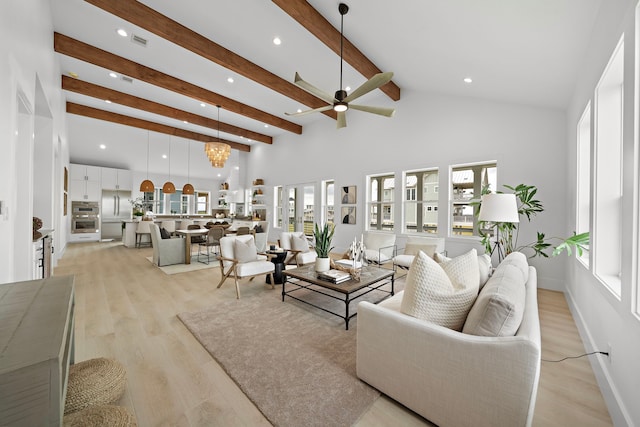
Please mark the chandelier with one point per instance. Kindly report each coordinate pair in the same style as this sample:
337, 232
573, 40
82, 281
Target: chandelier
217, 152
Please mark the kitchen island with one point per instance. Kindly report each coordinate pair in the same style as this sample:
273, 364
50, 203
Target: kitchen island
130, 225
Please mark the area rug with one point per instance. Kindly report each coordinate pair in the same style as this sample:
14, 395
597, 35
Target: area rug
185, 268
296, 363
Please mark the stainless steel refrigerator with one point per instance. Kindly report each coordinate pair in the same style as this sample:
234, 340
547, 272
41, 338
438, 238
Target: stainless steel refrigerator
114, 209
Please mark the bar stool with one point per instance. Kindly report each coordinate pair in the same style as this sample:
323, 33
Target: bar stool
142, 230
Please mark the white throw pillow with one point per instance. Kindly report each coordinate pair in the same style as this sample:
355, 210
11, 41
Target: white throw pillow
484, 266
245, 252
433, 295
299, 243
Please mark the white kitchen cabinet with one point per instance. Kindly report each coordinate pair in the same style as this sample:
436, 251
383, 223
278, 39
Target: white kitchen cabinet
85, 183
116, 179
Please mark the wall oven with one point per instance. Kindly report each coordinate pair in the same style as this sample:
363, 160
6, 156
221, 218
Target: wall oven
85, 217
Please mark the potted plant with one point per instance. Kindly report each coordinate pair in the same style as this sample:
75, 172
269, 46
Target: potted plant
528, 206
323, 237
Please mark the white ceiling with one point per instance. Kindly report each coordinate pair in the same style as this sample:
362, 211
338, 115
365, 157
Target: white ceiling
518, 51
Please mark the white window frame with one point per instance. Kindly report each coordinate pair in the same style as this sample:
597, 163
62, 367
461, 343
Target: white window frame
583, 178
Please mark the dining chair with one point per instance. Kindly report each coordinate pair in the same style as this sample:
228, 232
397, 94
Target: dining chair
240, 231
213, 239
169, 225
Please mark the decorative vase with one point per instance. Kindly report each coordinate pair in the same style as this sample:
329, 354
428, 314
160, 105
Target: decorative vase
323, 264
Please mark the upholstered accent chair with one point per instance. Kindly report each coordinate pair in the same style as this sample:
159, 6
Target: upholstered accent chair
426, 244
165, 251
300, 252
379, 247
239, 259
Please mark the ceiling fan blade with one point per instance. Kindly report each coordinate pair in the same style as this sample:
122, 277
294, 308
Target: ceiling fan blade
388, 112
314, 90
315, 110
342, 120
373, 83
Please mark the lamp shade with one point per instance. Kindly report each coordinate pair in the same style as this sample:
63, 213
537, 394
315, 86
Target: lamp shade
499, 208
146, 186
168, 188
188, 189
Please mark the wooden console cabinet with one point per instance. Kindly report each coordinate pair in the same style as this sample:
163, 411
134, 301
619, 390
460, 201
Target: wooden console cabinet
36, 349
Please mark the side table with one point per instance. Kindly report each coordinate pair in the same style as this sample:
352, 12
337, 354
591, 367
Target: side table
278, 261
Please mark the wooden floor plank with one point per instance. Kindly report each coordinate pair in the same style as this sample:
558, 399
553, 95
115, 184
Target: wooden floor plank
126, 308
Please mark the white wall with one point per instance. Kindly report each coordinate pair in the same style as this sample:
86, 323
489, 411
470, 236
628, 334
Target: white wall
430, 130
602, 318
26, 56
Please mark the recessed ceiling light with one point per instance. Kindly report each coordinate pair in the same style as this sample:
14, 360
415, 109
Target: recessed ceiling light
277, 41
249, 140
122, 32
219, 175
237, 168
164, 156
185, 122
113, 75
348, 88
299, 110
266, 126
468, 80
102, 146
107, 101
230, 79
202, 104
74, 75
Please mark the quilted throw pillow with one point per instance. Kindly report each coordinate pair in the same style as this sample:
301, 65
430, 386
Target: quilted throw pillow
484, 266
299, 243
442, 295
245, 252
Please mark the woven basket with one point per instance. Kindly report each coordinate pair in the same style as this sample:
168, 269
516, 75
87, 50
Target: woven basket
94, 382
104, 415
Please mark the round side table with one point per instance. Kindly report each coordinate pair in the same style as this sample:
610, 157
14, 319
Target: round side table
278, 262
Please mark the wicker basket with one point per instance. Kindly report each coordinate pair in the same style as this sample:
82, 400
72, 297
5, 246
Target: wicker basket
98, 381
102, 415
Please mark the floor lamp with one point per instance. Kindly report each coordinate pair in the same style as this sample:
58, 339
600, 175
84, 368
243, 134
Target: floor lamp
495, 208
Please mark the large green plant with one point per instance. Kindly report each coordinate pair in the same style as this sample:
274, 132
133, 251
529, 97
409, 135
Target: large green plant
323, 237
528, 207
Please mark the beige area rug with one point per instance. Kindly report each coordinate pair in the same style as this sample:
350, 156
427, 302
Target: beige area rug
296, 363
185, 268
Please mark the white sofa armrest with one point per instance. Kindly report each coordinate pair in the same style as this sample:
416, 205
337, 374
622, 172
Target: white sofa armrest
451, 378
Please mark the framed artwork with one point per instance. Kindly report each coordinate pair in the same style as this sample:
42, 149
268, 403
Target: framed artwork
348, 195
348, 215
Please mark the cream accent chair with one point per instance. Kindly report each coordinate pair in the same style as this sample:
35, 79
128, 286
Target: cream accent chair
379, 247
297, 257
165, 251
428, 245
232, 266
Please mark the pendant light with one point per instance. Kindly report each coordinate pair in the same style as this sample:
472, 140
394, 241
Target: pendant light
168, 187
188, 188
146, 186
217, 152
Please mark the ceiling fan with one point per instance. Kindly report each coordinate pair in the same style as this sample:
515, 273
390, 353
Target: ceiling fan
341, 101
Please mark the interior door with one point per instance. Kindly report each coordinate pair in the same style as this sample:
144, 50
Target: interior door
300, 208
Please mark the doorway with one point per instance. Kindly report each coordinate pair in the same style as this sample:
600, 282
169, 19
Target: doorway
300, 208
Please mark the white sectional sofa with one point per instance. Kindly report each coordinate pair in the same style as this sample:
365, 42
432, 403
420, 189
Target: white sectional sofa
454, 378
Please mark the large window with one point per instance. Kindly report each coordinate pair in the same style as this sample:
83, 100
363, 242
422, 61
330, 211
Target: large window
468, 182
202, 202
583, 179
421, 201
607, 237
328, 210
380, 202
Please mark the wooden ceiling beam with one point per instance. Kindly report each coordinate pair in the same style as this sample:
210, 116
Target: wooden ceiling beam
317, 25
100, 92
95, 113
144, 17
76, 49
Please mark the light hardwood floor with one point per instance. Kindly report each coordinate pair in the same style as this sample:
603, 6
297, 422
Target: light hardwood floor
126, 308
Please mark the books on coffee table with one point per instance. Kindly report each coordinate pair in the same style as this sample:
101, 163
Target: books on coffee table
335, 276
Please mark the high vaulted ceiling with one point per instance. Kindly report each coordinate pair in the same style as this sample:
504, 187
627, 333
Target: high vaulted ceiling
524, 51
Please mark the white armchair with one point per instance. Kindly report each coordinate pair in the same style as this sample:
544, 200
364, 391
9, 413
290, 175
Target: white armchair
296, 243
428, 245
165, 251
239, 259
379, 248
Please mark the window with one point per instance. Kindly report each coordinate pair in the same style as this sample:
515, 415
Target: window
607, 236
380, 202
328, 198
583, 179
277, 206
421, 204
467, 185
202, 202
